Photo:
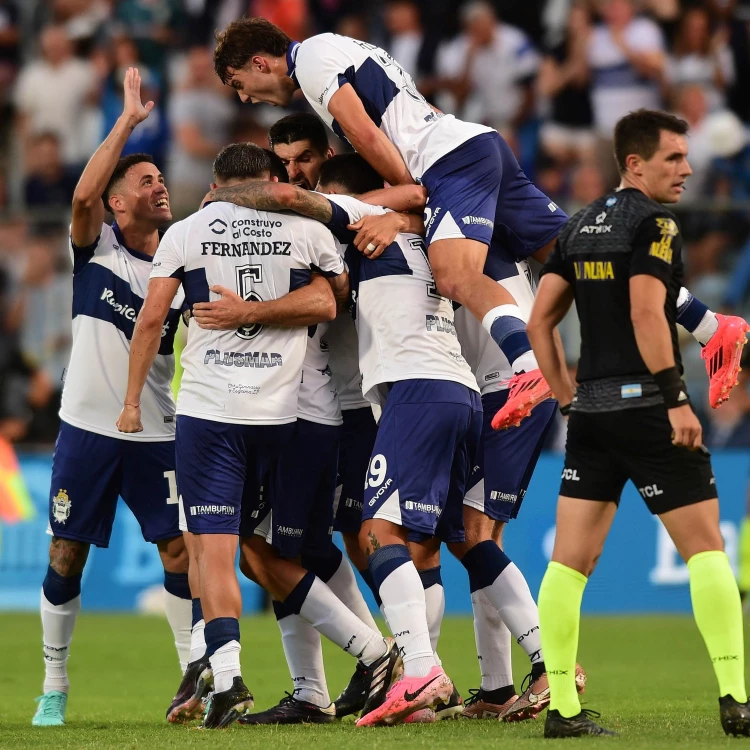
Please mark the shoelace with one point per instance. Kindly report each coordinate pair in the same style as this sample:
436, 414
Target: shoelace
289, 699
526, 682
589, 713
51, 704
476, 696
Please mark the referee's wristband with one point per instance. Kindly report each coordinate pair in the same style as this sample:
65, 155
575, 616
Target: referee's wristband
565, 410
672, 387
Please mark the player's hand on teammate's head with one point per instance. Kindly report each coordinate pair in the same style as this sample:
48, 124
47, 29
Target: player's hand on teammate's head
133, 107
686, 428
130, 419
225, 314
375, 233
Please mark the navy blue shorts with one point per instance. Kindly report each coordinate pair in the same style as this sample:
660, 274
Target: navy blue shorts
480, 192
90, 471
221, 469
300, 493
357, 440
507, 459
426, 445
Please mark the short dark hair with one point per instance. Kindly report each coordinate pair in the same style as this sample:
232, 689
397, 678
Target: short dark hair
121, 169
278, 170
351, 172
639, 133
244, 38
300, 126
241, 161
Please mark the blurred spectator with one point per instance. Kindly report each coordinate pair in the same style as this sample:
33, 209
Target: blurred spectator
49, 183
626, 55
568, 135
152, 24
52, 95
201, 115
152, 135
353, 25
492, 63
82, 19
289, 15
10, 35
700, 58
586, 186
406, 36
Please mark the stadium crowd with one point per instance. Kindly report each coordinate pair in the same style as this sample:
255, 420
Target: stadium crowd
552, 76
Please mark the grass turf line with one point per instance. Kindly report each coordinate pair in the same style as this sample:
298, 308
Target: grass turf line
649, 676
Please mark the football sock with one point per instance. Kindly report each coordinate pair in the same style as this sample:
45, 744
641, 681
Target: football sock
560, 597
223, 650
493, 646
434, 598
404, 606
492, 572
718, 614
339, 577
60, 605
179, 609
367, 578
695, 317
743, 579
507, 327
304, 657
316, 603
197, 633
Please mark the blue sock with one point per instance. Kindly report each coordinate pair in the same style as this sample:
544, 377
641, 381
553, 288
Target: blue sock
197, 611
219, 632
293, 603
385, 560
430, 577
177, 585
690, 312
508, 330
484, 563
367, 578
60, 589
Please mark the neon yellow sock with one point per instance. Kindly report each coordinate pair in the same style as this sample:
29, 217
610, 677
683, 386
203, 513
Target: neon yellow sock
718, 614
743, 579
560, 598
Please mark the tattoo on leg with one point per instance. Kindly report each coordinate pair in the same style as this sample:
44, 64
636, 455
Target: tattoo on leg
67, 557
374, 544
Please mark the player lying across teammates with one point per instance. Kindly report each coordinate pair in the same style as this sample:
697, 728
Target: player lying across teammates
258, 390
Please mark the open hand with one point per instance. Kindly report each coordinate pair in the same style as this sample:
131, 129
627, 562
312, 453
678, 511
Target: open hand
225, 314
133, 107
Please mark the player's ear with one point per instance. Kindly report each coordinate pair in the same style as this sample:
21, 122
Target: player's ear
115, 204
330, 153
634, 164
274, 178
214, 186
260, 63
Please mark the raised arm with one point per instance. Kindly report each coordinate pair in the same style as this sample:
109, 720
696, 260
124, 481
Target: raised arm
144, 347
366, 138
404, 198
88, 208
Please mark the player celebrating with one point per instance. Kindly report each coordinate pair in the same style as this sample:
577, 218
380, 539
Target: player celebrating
631, 417
93, 463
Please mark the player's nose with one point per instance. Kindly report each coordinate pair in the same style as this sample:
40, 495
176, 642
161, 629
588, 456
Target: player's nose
244, 98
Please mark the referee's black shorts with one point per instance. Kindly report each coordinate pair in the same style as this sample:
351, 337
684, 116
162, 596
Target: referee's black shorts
605, 449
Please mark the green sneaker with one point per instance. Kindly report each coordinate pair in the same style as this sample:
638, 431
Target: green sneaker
51, 711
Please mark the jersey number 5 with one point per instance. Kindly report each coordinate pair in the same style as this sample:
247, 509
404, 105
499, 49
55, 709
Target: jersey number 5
246, 277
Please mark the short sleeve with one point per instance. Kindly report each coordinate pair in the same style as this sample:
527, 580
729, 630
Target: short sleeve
555, 263
81, 255
169, 260
319, 66
323, 252
655, 244
347, 210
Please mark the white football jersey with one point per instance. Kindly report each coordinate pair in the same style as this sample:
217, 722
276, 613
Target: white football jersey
324, 63
486, 359
344, 361
109, 285
406, 330
318, 399
251, 375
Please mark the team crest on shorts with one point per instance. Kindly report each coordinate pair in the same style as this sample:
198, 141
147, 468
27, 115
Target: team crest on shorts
61, 506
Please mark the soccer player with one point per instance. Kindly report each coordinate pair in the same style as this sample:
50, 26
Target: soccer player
93, 463
411, 365
631, 416
228, 441
475, 186
301, 142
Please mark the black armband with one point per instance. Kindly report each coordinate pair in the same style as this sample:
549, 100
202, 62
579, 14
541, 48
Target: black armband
565, 410
672, 387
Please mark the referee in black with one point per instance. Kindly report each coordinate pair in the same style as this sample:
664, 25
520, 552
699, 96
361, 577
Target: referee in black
630, 418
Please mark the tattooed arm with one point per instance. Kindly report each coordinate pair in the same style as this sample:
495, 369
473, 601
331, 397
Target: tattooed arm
275, 196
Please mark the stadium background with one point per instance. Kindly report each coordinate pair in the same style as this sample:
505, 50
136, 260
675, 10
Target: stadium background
536, 70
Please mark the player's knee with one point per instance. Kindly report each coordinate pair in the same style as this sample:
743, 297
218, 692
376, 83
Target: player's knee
173, 554
67, 557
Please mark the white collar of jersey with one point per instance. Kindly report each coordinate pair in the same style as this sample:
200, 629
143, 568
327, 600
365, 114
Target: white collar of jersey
134, 253
291, 61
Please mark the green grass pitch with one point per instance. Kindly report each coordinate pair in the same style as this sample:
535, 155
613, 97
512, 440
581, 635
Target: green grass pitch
649, 676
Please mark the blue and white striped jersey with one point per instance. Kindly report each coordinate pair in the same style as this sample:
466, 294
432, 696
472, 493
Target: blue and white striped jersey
109, 285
